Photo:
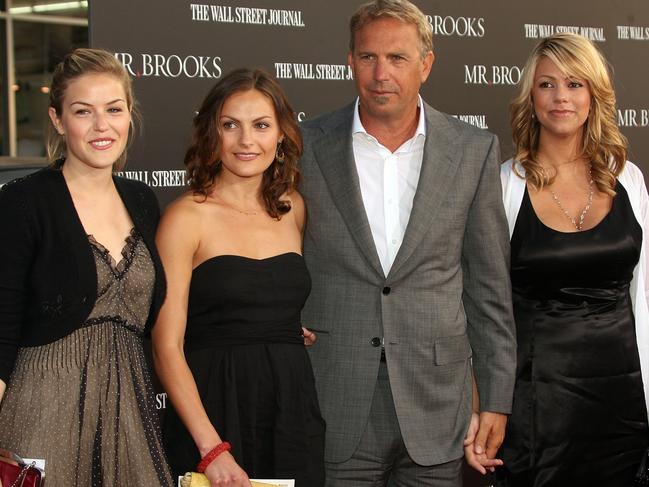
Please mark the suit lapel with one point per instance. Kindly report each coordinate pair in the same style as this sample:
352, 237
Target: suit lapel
335, 157
439, 165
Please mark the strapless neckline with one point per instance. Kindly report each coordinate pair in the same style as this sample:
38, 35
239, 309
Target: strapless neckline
244, 258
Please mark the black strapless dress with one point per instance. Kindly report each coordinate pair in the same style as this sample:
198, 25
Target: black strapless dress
244, 347
579, 415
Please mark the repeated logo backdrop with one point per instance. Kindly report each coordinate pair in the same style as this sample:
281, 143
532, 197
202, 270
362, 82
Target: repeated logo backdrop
177, 49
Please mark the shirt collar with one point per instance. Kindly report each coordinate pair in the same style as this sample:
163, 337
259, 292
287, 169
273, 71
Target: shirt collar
357, 125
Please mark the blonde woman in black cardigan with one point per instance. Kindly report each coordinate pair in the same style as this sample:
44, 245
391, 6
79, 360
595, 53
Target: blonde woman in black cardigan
80, 282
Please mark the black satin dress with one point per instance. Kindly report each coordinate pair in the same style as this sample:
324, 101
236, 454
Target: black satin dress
245, 348
579, 415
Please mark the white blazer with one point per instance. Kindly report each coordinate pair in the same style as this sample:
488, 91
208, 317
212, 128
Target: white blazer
633, 181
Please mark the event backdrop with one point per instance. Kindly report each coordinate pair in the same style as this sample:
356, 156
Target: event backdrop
176, 50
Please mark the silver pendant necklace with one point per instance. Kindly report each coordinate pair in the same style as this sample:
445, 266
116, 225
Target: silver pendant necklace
577, 224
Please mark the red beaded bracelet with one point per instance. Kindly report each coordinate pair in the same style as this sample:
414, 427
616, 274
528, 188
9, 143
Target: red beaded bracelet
211, 455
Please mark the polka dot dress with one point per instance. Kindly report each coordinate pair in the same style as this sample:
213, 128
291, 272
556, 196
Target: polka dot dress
85, 402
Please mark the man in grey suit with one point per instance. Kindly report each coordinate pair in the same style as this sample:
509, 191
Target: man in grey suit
407, 245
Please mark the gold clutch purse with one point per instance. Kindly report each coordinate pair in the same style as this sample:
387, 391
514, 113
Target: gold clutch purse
194, 479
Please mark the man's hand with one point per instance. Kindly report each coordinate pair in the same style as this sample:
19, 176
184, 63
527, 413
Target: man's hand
491, 433
480, 462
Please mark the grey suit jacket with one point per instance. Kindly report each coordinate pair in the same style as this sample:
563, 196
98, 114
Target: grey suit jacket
447, 296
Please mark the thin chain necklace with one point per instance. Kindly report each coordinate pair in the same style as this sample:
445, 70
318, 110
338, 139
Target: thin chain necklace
232, 207
578, 225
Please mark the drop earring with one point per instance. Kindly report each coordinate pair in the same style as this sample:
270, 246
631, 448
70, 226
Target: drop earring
279, 153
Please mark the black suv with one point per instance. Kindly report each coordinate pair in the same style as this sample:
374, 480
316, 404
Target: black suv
11, 169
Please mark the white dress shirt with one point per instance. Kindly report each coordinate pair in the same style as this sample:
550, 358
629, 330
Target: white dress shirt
388, 182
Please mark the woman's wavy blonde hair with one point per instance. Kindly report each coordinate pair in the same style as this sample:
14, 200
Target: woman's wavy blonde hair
603, 144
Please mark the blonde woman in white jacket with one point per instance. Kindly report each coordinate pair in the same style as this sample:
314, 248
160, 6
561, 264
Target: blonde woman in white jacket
577, 213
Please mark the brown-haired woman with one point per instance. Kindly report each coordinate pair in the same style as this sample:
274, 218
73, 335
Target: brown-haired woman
577, 212
80, 283
228, 344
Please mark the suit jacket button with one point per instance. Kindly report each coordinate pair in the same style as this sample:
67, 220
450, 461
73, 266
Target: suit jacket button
386, 290
376, 342
84, 300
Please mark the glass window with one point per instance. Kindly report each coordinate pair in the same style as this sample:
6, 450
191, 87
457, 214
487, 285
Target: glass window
43, 32
50, 7
38, 48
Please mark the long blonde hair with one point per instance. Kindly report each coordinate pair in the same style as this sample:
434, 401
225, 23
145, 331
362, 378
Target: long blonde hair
603, 145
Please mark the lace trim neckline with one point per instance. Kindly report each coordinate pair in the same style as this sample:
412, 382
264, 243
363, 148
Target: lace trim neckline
127, 253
